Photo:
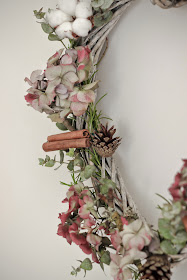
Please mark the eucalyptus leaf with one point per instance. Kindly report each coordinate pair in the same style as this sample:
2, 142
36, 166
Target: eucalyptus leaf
180, 237
41, 161
47, 158
106, 184
39, 14
61, 156
105, 258
50, 163
168, 248
165, 229
78, 161
61, 126
89, 171
101, 19
102, 266
70, 165
53, 37
107, 4
46, 28
97, 3
86, 264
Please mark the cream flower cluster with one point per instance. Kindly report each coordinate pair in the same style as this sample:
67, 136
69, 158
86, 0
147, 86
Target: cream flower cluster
71, 18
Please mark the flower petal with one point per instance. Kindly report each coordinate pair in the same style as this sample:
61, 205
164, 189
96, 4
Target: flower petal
53, 72
86, 96
79, 108
66, 60
86, 248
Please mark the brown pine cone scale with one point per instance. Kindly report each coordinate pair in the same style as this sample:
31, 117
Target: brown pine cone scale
103, 141
157, 267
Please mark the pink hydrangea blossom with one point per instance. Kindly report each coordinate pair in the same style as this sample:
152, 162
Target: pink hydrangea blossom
87, 204
94, 240
75, 236
86, 248
135, 235
119, 267
63, 230
59, 90
116, 240
178, 189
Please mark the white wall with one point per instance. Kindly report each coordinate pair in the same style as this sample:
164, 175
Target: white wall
144, 73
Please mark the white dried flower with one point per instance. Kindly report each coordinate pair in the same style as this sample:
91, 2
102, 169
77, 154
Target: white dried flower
83, 10
81, 26
68, 6
57, 17
64, 30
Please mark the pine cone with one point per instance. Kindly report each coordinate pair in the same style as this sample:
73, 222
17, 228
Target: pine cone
103, 141
165, 4
157, 267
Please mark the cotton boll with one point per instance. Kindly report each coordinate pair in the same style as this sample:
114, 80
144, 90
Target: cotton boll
68, 6
83, 10
64, 30
57, 17
81, 26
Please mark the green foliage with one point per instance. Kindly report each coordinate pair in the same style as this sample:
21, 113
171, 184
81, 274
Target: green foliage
61, 126
87, 172
94, 116
165, 229
105, 257
46, 28
171, 228
41, 161
102, 18
39, 14
168, 248
70, 165
101, 4
53, 37
86, 264
48, 162
106, 184
61, 157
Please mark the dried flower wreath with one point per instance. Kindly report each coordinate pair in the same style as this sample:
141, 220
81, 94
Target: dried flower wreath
102, 218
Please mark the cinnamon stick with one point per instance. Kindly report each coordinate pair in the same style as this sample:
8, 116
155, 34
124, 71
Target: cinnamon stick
66, 144
184, 219
77, 134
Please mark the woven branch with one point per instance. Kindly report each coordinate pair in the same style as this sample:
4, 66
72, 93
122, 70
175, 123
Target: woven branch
96, 42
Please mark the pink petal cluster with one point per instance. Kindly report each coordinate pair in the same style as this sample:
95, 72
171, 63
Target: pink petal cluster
128, 244
119, 264
135, 235
77, 223
178, 189
59, 88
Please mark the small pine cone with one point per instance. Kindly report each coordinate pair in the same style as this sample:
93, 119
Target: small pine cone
165, 4
103, 141
157, 267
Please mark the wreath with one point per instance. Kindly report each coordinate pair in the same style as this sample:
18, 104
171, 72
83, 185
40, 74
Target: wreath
102, 217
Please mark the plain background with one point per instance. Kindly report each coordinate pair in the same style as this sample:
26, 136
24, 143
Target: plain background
145, 75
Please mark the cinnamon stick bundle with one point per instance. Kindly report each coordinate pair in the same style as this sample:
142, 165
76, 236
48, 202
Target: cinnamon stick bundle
77, 134
66, 144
